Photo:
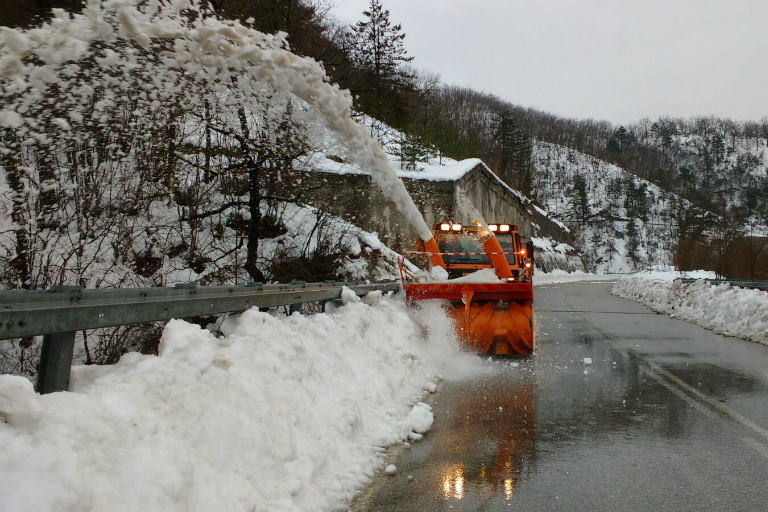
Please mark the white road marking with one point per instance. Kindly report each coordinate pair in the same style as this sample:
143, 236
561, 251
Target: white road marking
698, 406
758, 446
711, 401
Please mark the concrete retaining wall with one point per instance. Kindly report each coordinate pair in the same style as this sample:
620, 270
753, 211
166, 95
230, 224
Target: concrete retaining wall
355, 198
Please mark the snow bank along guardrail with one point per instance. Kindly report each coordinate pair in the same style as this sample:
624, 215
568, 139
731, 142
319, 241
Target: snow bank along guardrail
741, 283
60, 312
727, 307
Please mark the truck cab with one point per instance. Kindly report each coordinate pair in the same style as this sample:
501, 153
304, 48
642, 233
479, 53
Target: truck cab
463, 251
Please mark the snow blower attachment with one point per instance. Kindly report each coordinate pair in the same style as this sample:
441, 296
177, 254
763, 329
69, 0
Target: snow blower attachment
491, 316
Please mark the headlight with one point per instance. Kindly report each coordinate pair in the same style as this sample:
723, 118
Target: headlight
445, 227
493, 227
504, 228
456, 227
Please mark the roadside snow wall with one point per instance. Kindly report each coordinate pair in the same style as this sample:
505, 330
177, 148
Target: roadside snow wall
724, 309
281, 414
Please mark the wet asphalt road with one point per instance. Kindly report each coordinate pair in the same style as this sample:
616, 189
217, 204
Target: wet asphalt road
669, 416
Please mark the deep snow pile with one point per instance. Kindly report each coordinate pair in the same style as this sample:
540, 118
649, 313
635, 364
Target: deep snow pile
284, 413
725, 309
365, 257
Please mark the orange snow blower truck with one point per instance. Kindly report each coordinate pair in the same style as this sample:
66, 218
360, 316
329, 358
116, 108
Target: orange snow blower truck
491, 316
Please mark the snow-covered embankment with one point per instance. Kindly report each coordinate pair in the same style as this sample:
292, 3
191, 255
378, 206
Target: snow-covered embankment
723, 308
283, 413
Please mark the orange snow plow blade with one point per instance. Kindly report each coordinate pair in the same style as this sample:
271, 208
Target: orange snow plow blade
488, 318
490, 327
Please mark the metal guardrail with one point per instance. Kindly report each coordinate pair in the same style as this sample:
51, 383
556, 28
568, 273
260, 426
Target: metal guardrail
60, 312
741, 283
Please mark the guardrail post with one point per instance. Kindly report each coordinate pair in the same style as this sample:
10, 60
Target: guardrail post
56, 354
331, 283
296, 307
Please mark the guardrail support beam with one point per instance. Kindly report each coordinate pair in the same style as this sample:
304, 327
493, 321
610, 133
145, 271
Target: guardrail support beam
55, 362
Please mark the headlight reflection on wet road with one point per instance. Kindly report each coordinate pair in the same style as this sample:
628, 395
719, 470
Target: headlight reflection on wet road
453, 483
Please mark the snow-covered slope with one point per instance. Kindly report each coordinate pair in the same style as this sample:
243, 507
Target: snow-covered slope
708, 154
620, 222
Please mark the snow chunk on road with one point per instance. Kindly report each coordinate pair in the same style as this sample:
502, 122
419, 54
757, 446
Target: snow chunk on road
373, 298
587, 361
390, 470
421, 418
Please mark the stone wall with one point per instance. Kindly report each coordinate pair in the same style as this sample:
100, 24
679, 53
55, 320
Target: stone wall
355, 198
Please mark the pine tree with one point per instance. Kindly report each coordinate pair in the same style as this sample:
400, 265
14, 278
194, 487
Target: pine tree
613, 145
412, 150
718, 148
580, 198
621, 136
515, 151
709, 165
687, 179
633, 242
379, 51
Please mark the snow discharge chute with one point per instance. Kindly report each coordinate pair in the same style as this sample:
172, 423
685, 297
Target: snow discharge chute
197, 47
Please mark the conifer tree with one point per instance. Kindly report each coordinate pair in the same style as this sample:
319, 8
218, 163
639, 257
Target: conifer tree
412, 150
515, 151
621, 136
718, 148
580, 199
379, 51
633, 242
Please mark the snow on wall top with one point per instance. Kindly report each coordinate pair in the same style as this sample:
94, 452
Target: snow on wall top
434, 170
452, 170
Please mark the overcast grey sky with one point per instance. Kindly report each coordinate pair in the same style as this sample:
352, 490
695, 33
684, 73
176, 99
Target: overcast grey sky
606, 59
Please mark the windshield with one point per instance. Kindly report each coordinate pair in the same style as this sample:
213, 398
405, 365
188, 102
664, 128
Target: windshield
470, 242
462, 242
